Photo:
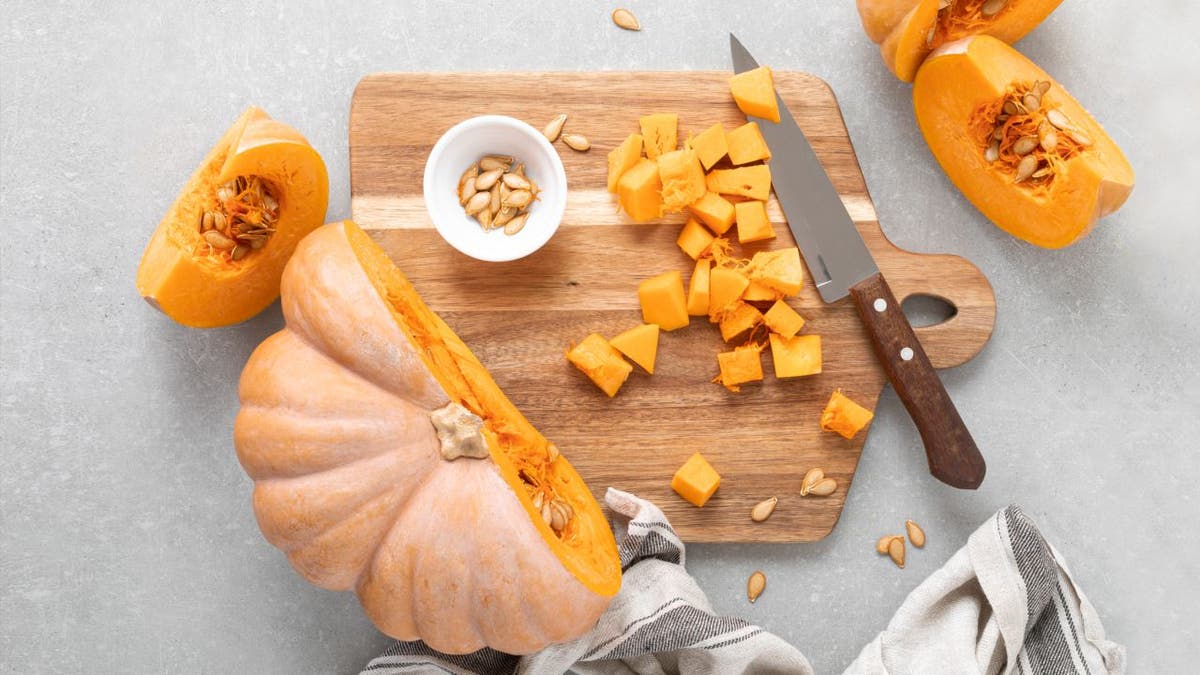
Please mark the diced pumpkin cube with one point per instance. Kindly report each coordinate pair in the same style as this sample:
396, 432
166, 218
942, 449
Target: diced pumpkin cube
697, 296
710, 145
746, 144
759, 292
754, 93
639, 344
696, 480
742, 365
753, 224
622, 158
715, 211
739, 319
782, 319
843, 416
779, 269
662, 300
602, 363
639, 191
660, 133
694, 239
725, 286
744, 181
796, 356
682, 179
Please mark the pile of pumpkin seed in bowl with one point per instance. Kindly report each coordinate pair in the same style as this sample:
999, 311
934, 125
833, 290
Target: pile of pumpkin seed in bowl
497, 193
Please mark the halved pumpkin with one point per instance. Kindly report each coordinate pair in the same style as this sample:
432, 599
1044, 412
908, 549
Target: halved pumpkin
1016, 144
386, 460
217, 256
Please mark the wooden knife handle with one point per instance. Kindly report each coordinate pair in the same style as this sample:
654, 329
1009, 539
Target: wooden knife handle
953, 456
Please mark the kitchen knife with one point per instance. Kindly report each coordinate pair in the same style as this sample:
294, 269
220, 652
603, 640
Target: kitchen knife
841, 265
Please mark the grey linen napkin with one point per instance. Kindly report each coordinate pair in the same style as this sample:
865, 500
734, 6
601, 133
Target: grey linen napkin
1005, 603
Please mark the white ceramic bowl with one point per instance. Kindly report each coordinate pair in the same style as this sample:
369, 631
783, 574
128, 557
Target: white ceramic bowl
464, 144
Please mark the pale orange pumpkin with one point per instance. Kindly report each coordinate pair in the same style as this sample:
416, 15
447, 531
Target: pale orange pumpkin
350, 416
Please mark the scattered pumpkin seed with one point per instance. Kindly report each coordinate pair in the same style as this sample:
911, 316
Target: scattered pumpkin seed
625, 19
915, 534
577, 142
811, 478
823, 488
896, 551
552, 130
755, 585
881, 546
992, 7
763, 509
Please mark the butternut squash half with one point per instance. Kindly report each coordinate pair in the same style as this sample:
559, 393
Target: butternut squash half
1016, 144
217, 256
908, 30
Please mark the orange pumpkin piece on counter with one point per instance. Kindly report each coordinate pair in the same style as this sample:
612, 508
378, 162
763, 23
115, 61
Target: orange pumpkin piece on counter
217, 256
1017, 145
783, 320
725, 287
754, 93
694, 239
738, 320
843, 416
742, 365
601, 362
746, 144
682, 179
639, 191
622, 158
744, 181
715, 211
753, 223
757, 291
697, 296
662, 300
780, 269
361, 416
796, 356
639, 344
710, 145
696, 480
660, 133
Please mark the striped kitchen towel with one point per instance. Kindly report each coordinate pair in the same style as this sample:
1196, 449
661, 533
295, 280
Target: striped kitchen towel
1004, 603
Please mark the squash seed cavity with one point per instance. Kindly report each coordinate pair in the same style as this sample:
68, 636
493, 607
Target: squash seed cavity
960, 18
241, 218
1027, 137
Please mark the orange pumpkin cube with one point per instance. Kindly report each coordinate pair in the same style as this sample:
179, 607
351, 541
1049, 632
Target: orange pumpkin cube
796, 356
601, 362
715, 211
742, 365
725, 286
843, 416
663, 301
710, 145
783, 320
697, 296
639, 191
639, 344
622, 158
744, 181
780, 269
739, 319
759, 292
696, 480
754, 93
682, 179
746, 144
660, 133
694, 239
753, 224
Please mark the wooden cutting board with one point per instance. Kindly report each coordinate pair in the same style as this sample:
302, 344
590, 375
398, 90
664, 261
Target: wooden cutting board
520, 317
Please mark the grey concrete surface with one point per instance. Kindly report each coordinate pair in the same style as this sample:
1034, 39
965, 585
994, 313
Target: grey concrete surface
126, 539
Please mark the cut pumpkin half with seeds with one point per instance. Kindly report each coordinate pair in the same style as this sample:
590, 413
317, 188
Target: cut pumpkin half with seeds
217, 256
1017, 145
386, 460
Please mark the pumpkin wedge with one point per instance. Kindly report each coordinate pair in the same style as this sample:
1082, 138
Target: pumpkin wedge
386, 460
908, 30
1016, 144
217, 256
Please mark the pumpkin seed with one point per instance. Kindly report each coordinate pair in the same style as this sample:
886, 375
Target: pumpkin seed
1041, 87
218, 240
896, 551
552, 130
487, 179
519, 170
484, 217
1058, 118
539, 498
516, 224
755, 585
915, 534
1049, 141
493, 162
577, 142
494, 206
557, 521
552, 452
881, 546
1031, 101
998, 134
1042, 172
1026, 168
504, 215
478, 202
466, 184
992, 7
944, 4
823, 488
1079, 137
206, 221
811, 478
993, 152
519, 199
763, 509
547, 514
239, 252
1025, 145
257, 243
625, 19
1010, 107
515, 182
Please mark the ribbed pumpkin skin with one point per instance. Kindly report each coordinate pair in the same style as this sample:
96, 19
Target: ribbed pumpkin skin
349, 480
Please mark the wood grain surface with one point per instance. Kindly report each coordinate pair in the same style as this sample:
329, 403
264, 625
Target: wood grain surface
520, 317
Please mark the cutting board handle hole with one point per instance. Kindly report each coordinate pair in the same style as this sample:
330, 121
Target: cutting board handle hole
927, 310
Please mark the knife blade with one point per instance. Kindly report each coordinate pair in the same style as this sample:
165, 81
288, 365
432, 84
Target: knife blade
840, 264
